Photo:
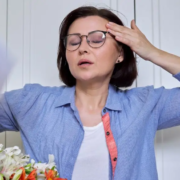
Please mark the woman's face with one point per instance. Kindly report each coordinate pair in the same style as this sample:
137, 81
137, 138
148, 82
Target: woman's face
103, 58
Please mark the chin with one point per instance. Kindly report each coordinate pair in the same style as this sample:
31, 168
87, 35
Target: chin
86, 78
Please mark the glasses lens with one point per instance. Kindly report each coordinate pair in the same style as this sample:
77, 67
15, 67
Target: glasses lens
96, 39
72, 42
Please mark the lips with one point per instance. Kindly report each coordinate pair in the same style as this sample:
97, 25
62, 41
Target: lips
84, 61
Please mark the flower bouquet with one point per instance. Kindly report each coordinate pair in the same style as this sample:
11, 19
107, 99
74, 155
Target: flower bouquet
15, 166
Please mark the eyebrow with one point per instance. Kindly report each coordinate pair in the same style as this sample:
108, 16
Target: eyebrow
88, 32
74, 34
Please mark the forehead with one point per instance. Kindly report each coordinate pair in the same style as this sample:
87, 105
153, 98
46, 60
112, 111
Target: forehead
87, 24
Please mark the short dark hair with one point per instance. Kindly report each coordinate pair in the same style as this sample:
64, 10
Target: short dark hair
124, 73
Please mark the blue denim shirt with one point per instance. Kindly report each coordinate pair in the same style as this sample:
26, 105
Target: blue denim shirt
49, 123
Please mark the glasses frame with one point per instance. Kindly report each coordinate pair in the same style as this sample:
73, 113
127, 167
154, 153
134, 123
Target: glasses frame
64, 38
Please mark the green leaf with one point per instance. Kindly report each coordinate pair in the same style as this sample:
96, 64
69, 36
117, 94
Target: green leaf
53, 168
1, 177
17, 174
28, 165
28, 171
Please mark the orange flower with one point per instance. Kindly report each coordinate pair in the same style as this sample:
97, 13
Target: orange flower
12, 175
32, 175
57, 178
23, 175
50, 175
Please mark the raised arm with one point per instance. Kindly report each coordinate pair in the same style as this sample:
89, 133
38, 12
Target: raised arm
166, 101
137, 41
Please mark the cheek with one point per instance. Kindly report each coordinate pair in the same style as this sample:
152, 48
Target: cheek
107, 57
70, 60
70, 57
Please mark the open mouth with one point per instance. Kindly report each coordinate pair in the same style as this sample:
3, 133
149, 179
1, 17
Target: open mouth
85, 63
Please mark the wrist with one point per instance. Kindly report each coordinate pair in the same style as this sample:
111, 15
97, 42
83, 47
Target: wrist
156, 56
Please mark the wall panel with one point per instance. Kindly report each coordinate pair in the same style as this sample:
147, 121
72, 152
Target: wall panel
3, 22
15, 44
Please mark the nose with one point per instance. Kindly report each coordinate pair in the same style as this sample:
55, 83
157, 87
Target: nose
84, 47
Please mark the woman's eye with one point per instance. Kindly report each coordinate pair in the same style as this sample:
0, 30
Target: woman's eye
74, 44
97, 41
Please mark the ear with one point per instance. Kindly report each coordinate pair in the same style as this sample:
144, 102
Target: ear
120, 57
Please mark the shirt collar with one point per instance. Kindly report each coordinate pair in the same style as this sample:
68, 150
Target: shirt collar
113, 100
66, 96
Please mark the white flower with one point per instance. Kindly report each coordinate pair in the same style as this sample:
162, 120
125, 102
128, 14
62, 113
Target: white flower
41, 167
1, 146
11, 159
51, 162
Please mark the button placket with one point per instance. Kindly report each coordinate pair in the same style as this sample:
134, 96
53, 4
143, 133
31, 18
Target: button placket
110, 141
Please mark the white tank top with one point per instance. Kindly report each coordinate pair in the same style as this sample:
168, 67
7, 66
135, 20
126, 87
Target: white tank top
93, 159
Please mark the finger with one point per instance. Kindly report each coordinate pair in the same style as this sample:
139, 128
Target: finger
120, 34
124, 38
134, 26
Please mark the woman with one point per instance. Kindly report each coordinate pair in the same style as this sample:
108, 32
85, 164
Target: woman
94, 129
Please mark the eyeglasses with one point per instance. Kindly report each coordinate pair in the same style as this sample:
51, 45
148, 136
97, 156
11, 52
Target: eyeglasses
95, 39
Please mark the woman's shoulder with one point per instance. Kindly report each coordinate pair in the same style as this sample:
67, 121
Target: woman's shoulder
38, 88
33, 91
25, 98
142, 93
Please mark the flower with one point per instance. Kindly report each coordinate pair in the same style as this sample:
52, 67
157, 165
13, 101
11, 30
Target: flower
32, 175
23, 175
50, 175
42, 167
16, 175
11, 159
15, 166
1, 146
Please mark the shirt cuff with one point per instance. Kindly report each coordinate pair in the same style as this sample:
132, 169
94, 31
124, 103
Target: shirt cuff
177, 76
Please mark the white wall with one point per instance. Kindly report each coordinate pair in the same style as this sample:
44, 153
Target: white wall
30, 29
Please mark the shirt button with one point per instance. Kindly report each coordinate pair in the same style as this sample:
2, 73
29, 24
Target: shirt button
108, 133
104, 110
115, 159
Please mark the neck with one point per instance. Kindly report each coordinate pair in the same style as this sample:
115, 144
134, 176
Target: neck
92, 96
